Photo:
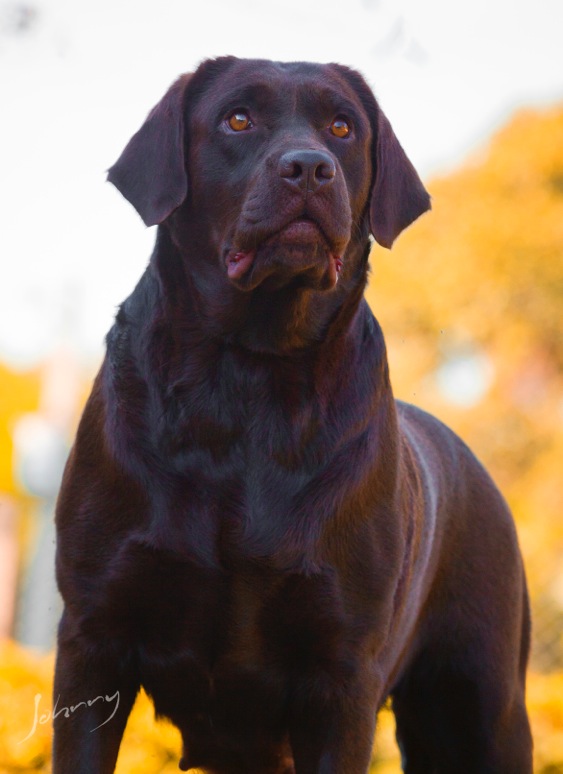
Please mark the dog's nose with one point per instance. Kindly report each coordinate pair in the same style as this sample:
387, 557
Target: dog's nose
307, 169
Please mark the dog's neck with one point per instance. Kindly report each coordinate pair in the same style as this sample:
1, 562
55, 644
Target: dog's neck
283, 321
194, 361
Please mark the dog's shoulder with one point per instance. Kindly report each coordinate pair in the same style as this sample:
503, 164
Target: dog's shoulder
422, 429
451, 474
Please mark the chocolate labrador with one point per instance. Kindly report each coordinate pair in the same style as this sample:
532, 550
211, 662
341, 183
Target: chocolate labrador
249, 526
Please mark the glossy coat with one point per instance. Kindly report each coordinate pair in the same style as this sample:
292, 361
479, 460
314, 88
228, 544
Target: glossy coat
249, 526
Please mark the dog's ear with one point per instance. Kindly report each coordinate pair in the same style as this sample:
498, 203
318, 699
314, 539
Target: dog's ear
397, 196
151, 171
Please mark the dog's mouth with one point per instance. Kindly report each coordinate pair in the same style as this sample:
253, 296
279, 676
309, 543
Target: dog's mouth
299, 249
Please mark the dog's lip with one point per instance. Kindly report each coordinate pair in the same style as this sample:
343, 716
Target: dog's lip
239, 262
300, 231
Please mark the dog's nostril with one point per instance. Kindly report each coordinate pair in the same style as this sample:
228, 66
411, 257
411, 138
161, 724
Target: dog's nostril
294, 171
307, 169
325, 171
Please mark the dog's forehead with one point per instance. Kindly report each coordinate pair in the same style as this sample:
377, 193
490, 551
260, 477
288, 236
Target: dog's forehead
279, 81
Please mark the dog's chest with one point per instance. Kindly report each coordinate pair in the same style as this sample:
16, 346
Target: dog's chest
242, 420
232, 596
209, 638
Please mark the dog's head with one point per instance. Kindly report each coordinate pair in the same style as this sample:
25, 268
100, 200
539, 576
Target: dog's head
275, 171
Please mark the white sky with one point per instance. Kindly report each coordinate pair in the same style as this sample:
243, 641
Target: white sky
79, 82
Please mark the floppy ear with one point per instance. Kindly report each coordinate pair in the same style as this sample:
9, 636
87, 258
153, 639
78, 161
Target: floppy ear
397, 196
151, 173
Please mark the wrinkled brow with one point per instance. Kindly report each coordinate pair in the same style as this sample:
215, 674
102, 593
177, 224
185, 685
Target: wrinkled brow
258, 94
307, 96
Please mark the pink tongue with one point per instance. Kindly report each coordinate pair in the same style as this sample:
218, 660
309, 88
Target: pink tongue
239, 263
334, 269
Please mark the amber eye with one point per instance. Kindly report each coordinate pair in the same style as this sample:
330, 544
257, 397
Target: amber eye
239, 121
340, 127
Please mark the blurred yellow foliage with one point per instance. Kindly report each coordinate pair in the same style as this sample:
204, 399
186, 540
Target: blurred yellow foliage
151, 746
478, 281
471, 298
23, 676
19, 393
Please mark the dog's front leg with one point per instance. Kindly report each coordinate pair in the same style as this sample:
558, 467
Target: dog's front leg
334, 734
93, 696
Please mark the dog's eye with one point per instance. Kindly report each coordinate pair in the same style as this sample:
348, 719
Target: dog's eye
340, 127
239, 121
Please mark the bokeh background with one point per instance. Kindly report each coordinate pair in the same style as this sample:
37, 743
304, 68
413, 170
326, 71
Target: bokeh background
470, 298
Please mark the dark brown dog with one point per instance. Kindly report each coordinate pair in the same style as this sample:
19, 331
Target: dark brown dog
249, 526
